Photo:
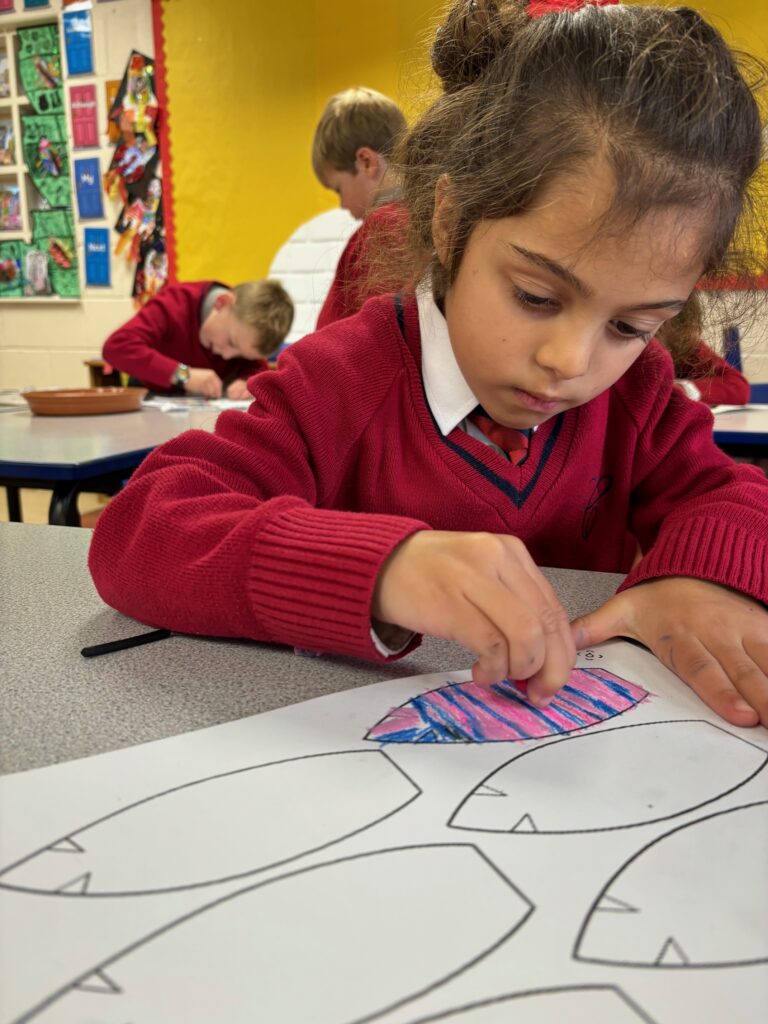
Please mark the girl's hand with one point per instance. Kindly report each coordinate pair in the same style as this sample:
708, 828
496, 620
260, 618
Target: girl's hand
484, 591
714, 638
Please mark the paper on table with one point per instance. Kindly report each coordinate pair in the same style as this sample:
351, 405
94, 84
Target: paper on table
184, 404
288, 866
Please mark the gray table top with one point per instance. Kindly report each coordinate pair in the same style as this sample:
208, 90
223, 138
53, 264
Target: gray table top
56, 705
74, 440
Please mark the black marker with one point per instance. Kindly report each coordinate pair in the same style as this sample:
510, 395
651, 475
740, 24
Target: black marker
122, 645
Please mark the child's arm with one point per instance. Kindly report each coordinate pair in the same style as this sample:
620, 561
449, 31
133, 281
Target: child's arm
136, 347
714, 638
716, 382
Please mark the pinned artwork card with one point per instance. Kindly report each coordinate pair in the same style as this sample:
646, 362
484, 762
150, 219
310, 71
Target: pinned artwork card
7, 142
78, 32
40, 68
10, 208
82, 105
88, 188
97, 257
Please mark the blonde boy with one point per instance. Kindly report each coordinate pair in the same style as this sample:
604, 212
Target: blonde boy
202, 337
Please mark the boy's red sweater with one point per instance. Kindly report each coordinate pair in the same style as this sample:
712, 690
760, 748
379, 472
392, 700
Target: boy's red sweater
275, 527
384, 227
166, 332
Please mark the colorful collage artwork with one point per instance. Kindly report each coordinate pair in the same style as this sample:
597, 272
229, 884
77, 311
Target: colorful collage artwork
414, 851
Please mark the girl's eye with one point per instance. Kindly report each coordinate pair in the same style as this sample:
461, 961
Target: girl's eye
628, 331
530, 301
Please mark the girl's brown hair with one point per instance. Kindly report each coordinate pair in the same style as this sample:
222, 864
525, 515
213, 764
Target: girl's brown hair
654, 91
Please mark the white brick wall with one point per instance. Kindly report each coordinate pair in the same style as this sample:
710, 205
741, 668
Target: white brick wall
306, 263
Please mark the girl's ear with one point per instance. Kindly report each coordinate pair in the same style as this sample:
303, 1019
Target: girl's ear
443, 218
223, 299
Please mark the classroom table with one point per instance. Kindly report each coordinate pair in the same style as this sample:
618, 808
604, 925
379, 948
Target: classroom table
743, 430
70, 454
56, 705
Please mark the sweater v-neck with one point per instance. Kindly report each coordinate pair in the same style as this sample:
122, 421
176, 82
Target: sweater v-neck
487, 472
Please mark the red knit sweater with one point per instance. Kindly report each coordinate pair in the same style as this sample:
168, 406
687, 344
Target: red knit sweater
718, 382
383, 228
275, 526
166, 332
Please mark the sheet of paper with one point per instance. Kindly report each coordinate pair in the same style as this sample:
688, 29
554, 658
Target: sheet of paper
415, 850
184, 404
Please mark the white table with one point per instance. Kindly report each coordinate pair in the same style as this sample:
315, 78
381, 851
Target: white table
69, 454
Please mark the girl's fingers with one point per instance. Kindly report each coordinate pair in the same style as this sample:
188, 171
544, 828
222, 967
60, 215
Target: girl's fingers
531, 639
709, 678
746, 666
559, 648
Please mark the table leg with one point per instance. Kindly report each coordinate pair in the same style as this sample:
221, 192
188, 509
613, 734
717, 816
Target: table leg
63, 508
14, 503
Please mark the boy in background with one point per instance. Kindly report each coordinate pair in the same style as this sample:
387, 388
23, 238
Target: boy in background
202, 337
351, 152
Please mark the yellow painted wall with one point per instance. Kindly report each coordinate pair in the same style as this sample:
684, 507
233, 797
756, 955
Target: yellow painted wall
247, 80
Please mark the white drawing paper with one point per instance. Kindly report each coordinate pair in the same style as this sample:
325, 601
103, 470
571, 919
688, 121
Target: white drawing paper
411, 851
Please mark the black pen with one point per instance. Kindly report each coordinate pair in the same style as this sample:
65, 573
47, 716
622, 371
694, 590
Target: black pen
122, 645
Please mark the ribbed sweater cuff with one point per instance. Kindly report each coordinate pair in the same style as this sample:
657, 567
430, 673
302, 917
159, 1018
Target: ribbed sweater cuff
708, 549
312, 576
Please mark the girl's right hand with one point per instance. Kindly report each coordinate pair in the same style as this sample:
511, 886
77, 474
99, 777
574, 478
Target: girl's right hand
484, 591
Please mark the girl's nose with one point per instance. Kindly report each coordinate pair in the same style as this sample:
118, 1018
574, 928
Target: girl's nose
567, 351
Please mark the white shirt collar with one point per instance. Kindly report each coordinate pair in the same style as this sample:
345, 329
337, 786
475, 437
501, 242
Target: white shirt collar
448, 393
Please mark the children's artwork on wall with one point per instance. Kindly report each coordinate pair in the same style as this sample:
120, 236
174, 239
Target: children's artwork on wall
34, 5
82, 105
139, 222
111, 87
5, 76
151, 270
97, 257
10, 208
53, 232
44, 140
135, 108
40, 68
7, 143
88, 188
10, 269
131, 169
36, 277
78, 31
288, 867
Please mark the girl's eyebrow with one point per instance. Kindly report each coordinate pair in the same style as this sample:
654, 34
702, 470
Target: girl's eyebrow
566, 275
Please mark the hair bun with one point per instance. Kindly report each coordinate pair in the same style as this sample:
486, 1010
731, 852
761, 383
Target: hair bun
471, 36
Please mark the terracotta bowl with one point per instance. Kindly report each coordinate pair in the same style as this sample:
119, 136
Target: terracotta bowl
83, 401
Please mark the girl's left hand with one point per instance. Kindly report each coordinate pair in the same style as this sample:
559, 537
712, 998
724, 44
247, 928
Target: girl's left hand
714, 638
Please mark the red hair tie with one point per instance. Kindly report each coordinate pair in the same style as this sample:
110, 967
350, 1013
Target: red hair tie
538, 7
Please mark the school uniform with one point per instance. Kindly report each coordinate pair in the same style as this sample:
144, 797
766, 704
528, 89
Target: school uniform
383, 228
166, 332
276, 526
708, 378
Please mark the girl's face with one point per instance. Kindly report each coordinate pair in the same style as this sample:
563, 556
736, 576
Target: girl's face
542, 318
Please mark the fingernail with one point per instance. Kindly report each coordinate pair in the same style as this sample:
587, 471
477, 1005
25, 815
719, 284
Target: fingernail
540, 702
741, 705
